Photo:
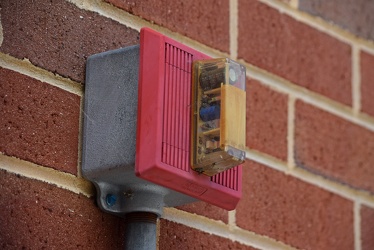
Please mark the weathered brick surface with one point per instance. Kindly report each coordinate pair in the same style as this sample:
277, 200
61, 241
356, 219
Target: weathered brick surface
292, 211
354, 16
207, 210
295, 51
333, 147
367, 228
58, 36
39, 122
204, 21
176, 236
266, 120
367, 82
36, 215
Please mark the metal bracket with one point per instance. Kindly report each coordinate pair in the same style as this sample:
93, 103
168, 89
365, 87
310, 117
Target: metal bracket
109, 137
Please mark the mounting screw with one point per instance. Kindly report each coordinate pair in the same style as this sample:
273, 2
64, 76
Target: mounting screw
111, 199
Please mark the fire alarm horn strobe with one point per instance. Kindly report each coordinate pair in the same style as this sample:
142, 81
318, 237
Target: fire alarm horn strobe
164, 123
138, 128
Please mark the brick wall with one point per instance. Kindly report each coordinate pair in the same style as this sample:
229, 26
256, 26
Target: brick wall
308, 181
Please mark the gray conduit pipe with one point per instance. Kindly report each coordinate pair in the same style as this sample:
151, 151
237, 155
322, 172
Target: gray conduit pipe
140, 231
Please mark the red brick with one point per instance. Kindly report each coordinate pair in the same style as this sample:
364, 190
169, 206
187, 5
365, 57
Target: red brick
36, 215
354, 16
39, 122
176, 236
294, 212
204, 21
207, 210
333, 147
58, 36
367, 228
367, 83
295, 51
266, 120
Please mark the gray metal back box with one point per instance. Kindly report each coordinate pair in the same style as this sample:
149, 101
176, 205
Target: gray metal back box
109, 137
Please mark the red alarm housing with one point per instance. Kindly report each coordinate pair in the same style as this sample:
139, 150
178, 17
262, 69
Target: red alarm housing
163, 146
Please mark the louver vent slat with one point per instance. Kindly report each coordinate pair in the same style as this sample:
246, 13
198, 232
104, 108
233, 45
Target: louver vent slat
176, 119
228, 178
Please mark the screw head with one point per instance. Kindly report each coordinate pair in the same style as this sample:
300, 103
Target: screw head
110, 199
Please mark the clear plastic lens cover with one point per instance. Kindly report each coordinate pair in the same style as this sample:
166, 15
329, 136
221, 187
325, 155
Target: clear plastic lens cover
218, 115
213, 73
236, 74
